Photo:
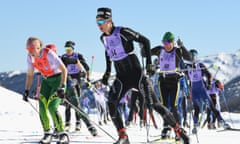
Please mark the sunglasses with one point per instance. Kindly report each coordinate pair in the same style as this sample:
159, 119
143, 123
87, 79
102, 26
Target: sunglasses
101, 21
68, 48
166, 43
194, 54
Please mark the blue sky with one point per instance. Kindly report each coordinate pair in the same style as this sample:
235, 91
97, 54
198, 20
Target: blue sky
210, 26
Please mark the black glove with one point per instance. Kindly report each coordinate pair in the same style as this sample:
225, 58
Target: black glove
179, 43
88, 80
105, 78
88, 84
25, 95
209, 87
150, 69
61, 91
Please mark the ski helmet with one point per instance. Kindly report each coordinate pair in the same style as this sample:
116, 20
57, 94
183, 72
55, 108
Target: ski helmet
168, 37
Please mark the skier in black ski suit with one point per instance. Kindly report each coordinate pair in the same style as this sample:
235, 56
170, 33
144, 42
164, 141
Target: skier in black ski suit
170, 58
118, 42
73, 63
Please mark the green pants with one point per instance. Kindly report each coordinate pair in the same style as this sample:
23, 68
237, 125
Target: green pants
49, 102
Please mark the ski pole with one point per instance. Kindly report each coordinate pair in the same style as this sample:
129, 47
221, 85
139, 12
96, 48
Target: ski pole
35, 109
78, 110
226, 105
91, 66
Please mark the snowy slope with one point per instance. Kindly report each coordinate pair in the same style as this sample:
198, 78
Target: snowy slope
19, 123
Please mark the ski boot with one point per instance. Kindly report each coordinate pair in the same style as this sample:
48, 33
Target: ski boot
78, 126
142, 123
122, 140
211, 126
166, 132
105, 121
67, 127
226, 126
47, 138
63, 138
127, 124
223, 124
181, 134
195, 128
123, 137
92, 130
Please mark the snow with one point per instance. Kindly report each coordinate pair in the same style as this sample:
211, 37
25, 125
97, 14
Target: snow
19, 123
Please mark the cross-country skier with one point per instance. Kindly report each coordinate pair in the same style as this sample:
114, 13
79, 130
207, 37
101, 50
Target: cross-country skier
216, 89
54, 78
100, 100
119, 48
72, 62
72, 56
170, 58
196, 73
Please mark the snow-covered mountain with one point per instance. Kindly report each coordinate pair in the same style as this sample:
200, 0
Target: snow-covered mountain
223, 66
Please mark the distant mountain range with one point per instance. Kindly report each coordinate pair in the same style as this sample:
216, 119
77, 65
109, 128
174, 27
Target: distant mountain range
225, 67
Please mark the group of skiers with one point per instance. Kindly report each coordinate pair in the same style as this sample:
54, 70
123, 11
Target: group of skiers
179, 74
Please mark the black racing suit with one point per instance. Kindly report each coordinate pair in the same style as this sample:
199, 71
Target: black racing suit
73, 92
169, 83
129, 74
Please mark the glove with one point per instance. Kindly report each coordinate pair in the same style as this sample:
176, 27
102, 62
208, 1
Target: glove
25, 95
150, 70
88, 79
88, 84
105, 78
209, 87
179, 43
61, 91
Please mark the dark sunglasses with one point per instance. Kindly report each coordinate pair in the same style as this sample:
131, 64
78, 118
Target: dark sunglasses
101, 21
194, 54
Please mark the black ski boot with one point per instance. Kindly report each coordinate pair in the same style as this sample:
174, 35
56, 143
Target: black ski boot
92, 130
67, 126
123, 137
195, 128
122, 140
223, 124
181, 134
47, 138
63, 138
78, 126
166, 132
142, 124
